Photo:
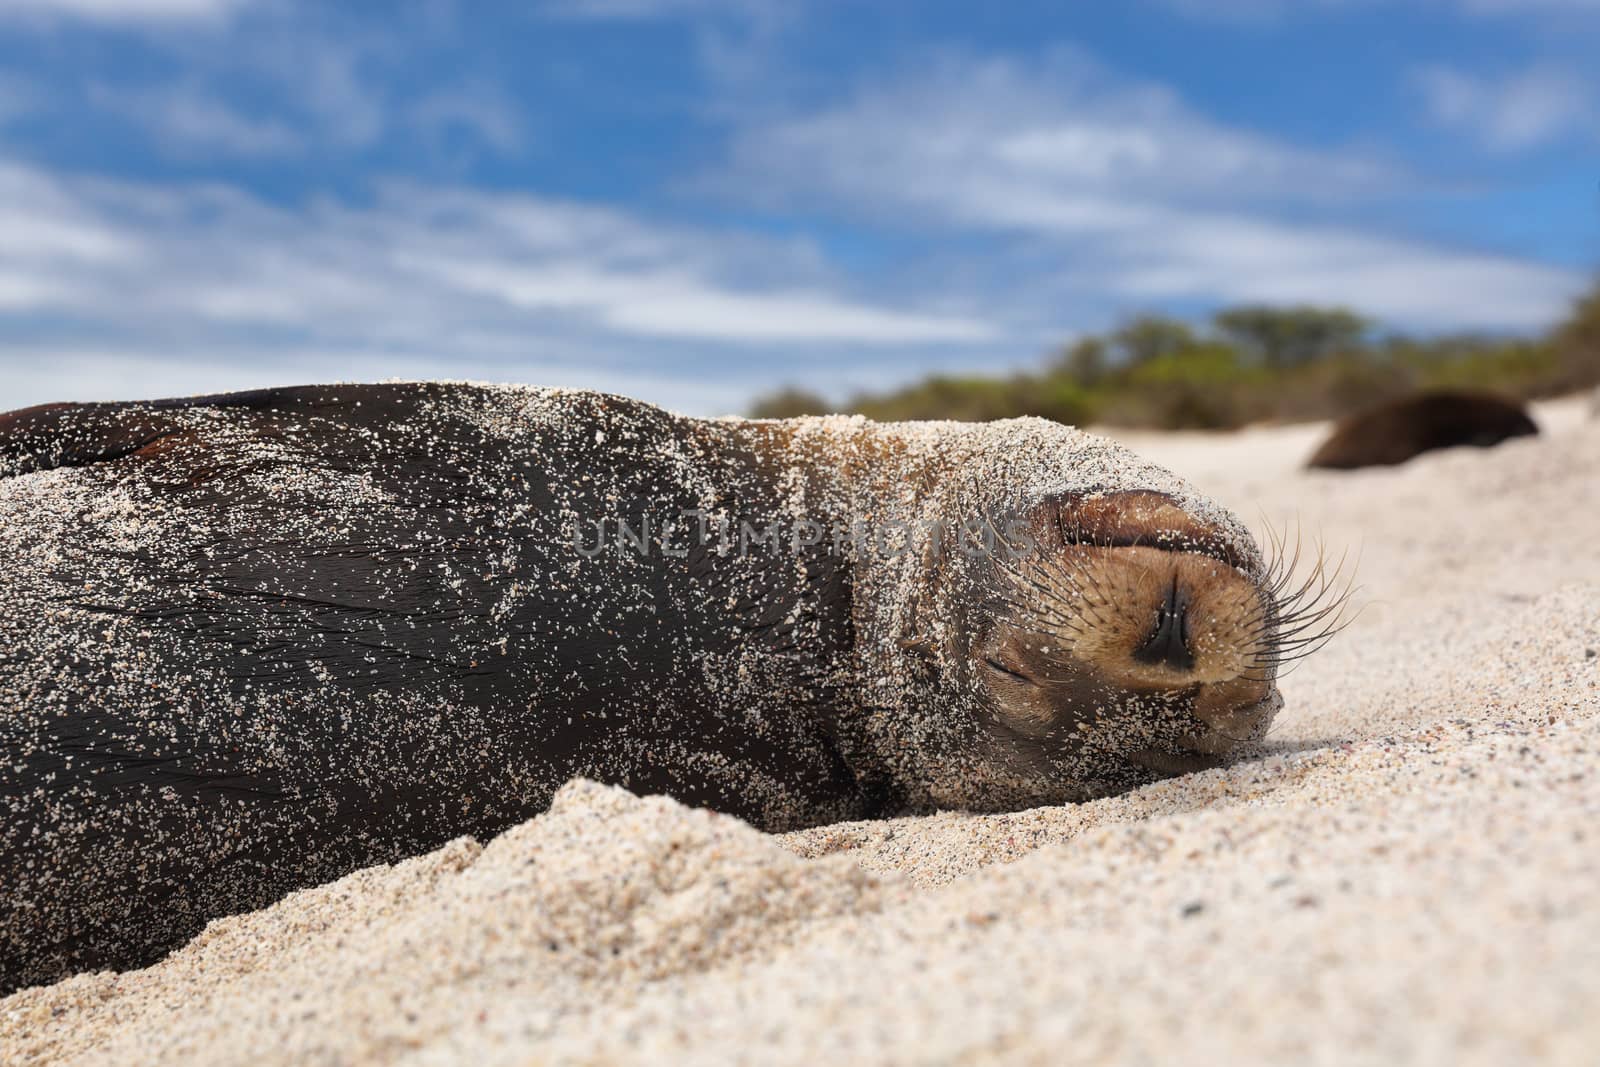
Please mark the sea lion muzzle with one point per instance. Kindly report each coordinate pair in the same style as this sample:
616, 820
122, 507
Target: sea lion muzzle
1169, 641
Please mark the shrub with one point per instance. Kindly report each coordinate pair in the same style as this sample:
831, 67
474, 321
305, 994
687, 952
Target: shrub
1255, 363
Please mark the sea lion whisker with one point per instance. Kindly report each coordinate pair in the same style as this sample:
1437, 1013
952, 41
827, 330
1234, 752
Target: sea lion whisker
1289, 602
1328, 632
1329, 601
1031, 608
1286, 563
1100, 597
1294, 603
1045, 608
1048, 593
1308, 624
1049, 635
1279, 656
1293, 665
1049, 589
1308, 619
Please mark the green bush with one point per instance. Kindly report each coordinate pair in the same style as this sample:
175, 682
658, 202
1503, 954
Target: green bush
1253, 364
790, 402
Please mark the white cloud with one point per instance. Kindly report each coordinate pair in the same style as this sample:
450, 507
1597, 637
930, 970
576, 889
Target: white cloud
326, 79
436, 281
326, 82
1523, 7
660, 9
478, 109
1247, 10
17, 98
123, 11
190, 117
663, 302
88, 373
310, 88
1062, 137
1120, 191
1515, 112
1239, 259
1259, 10
49, 227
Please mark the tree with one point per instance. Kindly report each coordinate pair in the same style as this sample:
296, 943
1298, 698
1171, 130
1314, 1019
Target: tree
1284, 337
1149, 337
1577, 343
970, 398
789, 402
1084, 362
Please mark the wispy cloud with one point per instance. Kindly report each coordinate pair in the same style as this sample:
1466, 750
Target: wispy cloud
309, 85
189, 118
325, 78
1523, 7
658, 9
448, 281
17, 98
667, 302
477, 109
737, 41
1257, 10
1065, 140
1513, 112
122, 11
1132, 195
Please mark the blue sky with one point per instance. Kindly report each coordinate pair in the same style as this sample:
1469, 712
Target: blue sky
695, 200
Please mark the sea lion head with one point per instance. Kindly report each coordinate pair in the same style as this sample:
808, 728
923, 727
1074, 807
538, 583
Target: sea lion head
1100, 640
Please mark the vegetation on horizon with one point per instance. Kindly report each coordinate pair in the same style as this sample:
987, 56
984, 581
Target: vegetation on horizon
1248, 364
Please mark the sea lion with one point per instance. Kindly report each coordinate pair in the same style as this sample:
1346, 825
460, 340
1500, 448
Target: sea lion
1395, 431
252, 642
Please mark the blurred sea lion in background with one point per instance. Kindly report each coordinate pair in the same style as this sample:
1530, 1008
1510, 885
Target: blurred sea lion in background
1397, 430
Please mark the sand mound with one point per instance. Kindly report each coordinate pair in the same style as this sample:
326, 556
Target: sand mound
1408, 875
605, 890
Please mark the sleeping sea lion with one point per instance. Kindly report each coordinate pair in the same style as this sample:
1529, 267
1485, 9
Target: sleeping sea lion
252, 642
1397, 430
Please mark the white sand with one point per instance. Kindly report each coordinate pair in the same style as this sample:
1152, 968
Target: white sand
1411, 876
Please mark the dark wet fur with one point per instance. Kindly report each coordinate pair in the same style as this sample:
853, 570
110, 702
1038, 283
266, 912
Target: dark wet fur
325, 703
254, 642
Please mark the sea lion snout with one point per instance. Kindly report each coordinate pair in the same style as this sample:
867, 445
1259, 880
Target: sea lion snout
1138, 633
1149, 618
1168, 643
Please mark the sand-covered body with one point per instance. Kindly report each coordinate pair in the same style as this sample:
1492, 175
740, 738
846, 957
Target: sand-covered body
252, 643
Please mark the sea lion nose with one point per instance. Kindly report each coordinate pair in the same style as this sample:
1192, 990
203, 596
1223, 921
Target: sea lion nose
1168, 643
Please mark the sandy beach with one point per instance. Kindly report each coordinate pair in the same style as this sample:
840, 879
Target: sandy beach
1409, 875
